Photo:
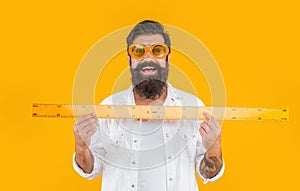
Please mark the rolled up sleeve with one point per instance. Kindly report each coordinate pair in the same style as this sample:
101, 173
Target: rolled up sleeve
200, 156
97, 168
98, 152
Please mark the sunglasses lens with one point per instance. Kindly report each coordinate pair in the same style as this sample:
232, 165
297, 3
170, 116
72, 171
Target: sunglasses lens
160, 51
138, 51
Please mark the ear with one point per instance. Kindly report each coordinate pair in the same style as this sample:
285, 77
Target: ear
129, 59
169, 57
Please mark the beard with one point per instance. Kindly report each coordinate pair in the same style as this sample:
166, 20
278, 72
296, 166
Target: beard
149, 86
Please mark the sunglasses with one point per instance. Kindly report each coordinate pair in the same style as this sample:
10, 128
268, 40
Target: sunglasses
157, 50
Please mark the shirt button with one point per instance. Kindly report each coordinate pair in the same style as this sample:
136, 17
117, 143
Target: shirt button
170, 179
132, 185
167, 135
135, 141
133, 162
169, 157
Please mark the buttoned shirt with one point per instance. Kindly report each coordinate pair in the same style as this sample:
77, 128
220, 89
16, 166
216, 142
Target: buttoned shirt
161, 155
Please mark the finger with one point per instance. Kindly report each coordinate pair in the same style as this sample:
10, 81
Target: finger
91, 131
88, 128
207, 115
87, 122
202, 131
215, 122
81, 131
75, 129
86, 136
86, 117
205, 127
210, 120
207, 121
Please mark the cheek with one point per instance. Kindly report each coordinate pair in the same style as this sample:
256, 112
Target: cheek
162, 63
134, 63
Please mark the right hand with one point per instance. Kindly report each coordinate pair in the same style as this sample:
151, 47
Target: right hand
84, 128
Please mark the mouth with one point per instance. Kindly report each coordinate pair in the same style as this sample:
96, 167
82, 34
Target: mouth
148, 70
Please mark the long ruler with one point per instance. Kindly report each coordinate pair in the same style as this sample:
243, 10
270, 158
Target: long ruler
159, 112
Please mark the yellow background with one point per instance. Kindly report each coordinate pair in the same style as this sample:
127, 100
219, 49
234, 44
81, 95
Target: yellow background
255, 43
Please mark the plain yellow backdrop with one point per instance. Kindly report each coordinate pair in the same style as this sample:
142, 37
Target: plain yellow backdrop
255, 43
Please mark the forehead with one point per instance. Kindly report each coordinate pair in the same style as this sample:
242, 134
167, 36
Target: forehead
149, 39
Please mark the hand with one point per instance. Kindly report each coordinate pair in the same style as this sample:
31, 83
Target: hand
210, 132
84, 128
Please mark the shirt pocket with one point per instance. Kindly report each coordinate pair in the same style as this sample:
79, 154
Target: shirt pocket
112, 148
114, 141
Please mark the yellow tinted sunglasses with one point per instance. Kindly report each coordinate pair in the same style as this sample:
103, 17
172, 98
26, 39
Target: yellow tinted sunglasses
157, 50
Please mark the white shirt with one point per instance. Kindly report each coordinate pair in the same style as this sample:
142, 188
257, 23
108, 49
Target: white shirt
153, 155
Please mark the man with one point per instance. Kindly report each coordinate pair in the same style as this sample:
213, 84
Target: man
149, 155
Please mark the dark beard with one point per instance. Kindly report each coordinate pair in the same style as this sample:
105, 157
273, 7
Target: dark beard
149, 87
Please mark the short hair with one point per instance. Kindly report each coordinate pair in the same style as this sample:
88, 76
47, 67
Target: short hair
148, 27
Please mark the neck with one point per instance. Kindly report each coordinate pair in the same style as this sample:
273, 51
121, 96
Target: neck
143, 101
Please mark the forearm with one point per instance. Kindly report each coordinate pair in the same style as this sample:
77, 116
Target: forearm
212, 162
84, 159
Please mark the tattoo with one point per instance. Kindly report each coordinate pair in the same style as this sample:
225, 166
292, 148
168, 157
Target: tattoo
210, 166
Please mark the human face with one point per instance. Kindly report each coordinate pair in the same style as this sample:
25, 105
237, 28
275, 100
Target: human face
148, 40
148, 67
149, 74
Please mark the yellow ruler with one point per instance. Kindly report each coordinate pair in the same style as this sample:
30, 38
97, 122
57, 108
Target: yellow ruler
159, 112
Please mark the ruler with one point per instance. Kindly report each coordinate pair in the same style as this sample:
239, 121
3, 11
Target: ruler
159, 112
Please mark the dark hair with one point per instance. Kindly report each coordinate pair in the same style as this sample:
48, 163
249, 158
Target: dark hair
148, 27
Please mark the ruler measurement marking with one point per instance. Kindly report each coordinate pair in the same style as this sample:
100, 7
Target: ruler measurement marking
159, 112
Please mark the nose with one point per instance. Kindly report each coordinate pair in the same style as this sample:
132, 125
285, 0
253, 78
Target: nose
148, 55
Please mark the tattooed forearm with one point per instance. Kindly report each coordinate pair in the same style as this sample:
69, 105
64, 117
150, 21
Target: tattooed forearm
210, 166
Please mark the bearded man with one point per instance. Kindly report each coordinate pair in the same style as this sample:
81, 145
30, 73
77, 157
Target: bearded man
148, 155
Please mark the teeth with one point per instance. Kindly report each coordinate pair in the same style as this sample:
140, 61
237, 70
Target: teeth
148, 68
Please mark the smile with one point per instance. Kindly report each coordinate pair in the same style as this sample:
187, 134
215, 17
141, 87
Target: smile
148, 70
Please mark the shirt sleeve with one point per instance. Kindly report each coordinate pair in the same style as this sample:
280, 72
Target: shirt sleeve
97, 168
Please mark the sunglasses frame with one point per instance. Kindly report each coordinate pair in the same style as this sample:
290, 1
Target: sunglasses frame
148, 49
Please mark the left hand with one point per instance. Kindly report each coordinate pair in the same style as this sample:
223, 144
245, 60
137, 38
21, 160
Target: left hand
210, 131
